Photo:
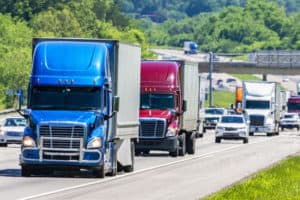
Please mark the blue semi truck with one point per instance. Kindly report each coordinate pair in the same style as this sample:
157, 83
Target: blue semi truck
82, 106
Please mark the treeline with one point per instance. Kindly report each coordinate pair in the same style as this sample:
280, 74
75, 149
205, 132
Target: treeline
258, 25
162, 10
20, 20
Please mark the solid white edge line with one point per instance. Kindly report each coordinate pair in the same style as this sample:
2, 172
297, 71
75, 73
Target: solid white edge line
202, 156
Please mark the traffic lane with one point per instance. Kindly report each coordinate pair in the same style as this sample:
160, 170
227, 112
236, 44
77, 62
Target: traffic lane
193, 179
11, 183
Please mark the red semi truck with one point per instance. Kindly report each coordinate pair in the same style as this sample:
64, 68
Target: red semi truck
172, 107
293, 104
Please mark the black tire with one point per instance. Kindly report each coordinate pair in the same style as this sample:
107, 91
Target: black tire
137, 152
146, 152
182, 150
251, 133
298, 128
99, 172
130, 168
114, 169
3, 145
245, 140
191, 143
282, 129
204, 130
269, 134
174, 153
26, 171
218, 140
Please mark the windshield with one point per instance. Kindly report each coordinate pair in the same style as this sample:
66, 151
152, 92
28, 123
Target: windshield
63, 98
289, 116
231, 119
157, 101
293, 106
15, 122
214, 111
257, 104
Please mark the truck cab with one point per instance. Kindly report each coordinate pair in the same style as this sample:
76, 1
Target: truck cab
190, 47
160, 108
261, 102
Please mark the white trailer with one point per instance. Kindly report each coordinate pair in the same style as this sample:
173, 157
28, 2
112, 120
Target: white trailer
194, 86
127, 83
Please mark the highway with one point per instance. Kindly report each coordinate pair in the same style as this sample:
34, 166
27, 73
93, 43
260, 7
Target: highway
156, 176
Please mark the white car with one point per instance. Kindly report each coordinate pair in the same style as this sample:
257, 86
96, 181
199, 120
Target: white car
290, 120
12, 130
232, 127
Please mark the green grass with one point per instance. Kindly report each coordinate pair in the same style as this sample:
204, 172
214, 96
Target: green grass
246, 77
222, 98
282, 181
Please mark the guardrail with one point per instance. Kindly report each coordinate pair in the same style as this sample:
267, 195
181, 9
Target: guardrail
7, 111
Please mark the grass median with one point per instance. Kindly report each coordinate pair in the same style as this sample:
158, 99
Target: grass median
281, 181
222, 98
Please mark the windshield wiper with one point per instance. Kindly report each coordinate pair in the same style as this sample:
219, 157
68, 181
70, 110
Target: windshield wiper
84, 108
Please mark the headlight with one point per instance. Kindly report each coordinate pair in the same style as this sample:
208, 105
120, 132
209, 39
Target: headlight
219, 128
171, 132
28, 142
95, 143
2, 132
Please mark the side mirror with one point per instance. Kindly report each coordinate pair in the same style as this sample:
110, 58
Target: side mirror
184, 105
116, 103
20, 95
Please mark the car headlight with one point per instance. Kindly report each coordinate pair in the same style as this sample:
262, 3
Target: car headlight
28, 142
171, 132
219, 128
2, 132
95, 143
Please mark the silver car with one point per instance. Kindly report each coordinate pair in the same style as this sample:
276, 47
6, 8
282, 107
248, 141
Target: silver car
232, 127
290, 121
12, 130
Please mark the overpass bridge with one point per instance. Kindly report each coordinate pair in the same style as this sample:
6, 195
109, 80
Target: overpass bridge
260, 62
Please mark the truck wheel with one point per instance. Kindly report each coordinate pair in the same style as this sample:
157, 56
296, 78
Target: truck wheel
3, 145
269, 134
191, 144
26, 171
298, 128
138, 152
251, 133
99, 172
204, 130
245, 140
130, 168
174, 153
146, 152
182, 150
282, 129
217, 140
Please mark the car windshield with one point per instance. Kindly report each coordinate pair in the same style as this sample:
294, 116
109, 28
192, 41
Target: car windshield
15, 122
214, 111
66, 98
232, 119
289, 116
253, 104
157, 101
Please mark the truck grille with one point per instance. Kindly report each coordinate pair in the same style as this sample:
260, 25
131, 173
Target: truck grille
257, 120
152, 128
61, 142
